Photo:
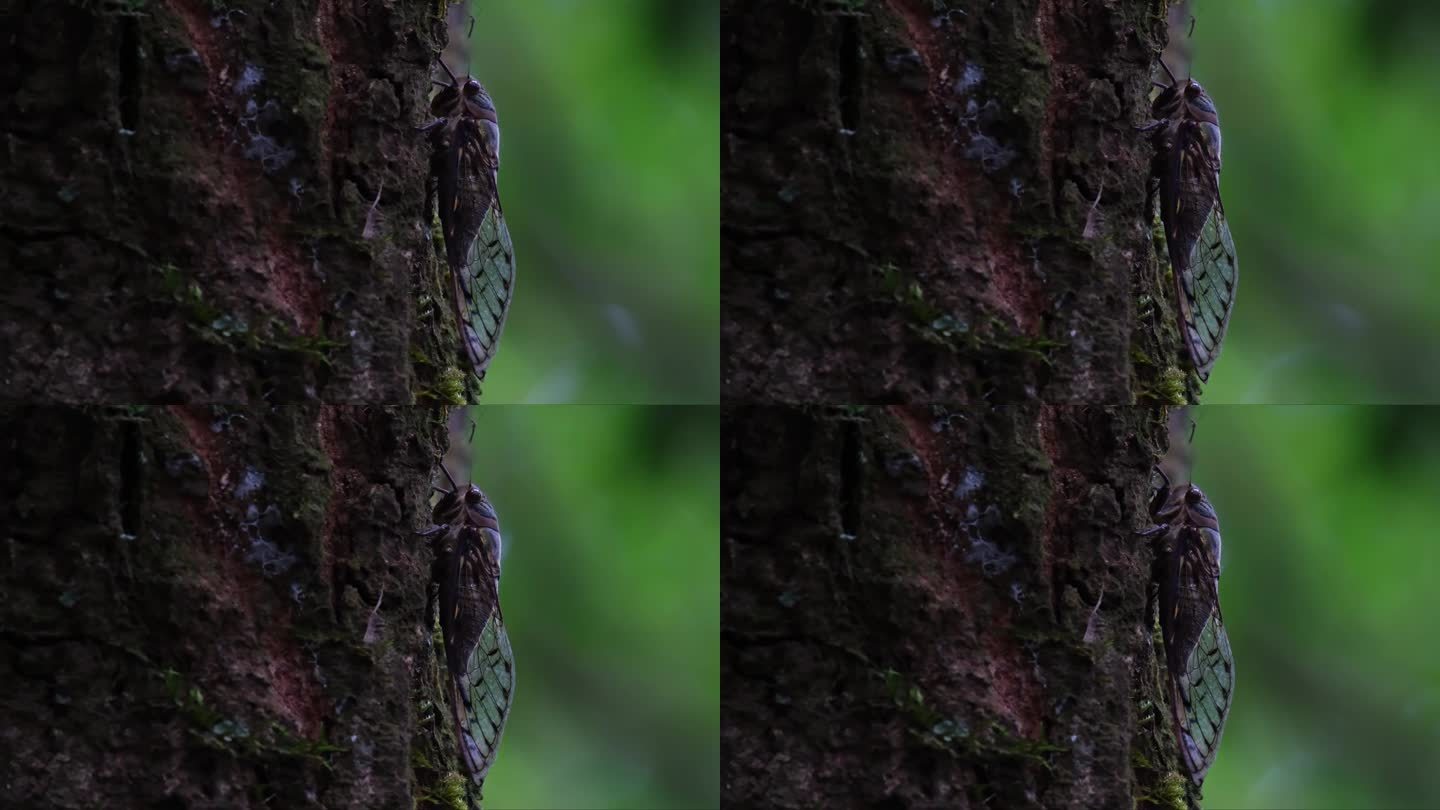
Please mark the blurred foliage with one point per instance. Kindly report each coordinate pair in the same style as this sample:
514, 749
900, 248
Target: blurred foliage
612, 599
1328, 515
610, 179
1329, 112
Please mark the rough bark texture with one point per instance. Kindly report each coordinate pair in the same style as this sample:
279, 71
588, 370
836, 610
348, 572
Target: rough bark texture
209, 608
929, 201
186, 186
935, 607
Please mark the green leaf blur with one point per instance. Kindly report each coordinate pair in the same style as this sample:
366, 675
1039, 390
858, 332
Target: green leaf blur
1329, 112
610, 179
611, 596
1328, 587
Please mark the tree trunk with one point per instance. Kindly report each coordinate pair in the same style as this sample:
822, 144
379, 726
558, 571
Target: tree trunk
935, 607
942, 605
930, 203
216, 608
187, 187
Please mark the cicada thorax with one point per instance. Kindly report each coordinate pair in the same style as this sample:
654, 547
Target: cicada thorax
466, 571
1187, 164
1197, 649
465, 166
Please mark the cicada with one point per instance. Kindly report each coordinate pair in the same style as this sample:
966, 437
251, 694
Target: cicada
1186, 170
464, 181
466, 584
1197, 650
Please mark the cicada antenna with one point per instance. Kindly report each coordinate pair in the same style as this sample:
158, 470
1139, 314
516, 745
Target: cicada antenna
446, 470
468, 35
1173, 81
1163, 475
453, 80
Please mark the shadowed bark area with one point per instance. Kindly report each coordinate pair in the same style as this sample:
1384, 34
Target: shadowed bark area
215, 608
186, 187
925, 202
935, 607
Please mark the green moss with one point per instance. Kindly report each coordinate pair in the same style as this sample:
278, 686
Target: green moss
449, 388
449, 792
1168, 793
937, 730
235, 330
934, 325
1001, 340
1005, 745
233, 735
1170, 389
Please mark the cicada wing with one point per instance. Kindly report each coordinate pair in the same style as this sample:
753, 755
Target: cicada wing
487, 284
477, 241
486, 691
1201, 696
1197, 650
1207, 291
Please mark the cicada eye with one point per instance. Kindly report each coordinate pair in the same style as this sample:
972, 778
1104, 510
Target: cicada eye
472, 88
1193, 90
473, 496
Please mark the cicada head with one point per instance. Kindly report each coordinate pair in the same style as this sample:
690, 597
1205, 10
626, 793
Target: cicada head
479, 106
446, 102
478, 509
1202, 516
450, 509
1182, 100
1198, 103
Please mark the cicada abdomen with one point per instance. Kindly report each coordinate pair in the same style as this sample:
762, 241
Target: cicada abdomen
1202, 255
1197, 650
466, 574
465, 171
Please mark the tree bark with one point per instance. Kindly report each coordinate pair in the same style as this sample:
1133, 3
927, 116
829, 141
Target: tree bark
925, 202
216, 608
187, 188
934, 607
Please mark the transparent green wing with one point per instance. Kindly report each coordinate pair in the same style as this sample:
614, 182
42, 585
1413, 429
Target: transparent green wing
1207, 291
487, 282
1202, 704
486, 689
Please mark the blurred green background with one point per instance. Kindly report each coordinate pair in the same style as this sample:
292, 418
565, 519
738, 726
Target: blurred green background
611, 597
1329, 112
610, 179
1330, 589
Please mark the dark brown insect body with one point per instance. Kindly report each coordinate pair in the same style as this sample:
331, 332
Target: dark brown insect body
464, 180
466, 584
1186, 172
1197, 649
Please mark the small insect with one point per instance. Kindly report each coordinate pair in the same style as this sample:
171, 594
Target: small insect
464, 180
1186, 172
1197, 650
466, 584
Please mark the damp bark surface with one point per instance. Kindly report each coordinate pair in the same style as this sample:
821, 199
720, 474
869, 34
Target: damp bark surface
187, 187
941, 202
207, 607
926, 606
